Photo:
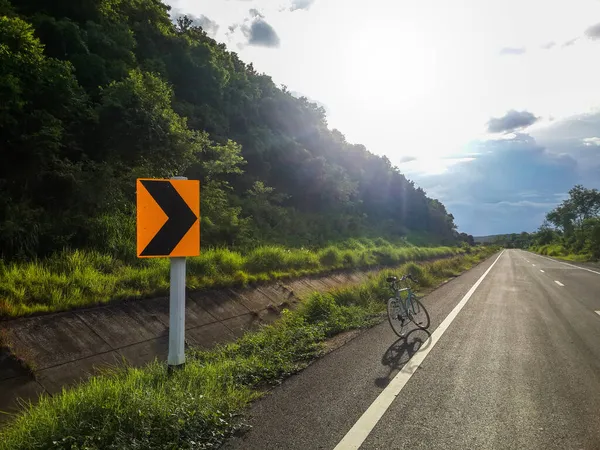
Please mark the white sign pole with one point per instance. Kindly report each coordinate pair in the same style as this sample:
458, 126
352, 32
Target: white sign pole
177, 310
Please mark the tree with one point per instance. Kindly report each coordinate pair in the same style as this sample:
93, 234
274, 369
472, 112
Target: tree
572, 213
43, 113
137, 127
584, 204
545, 235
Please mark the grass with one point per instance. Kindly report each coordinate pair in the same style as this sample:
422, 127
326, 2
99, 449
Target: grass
200, 405
560, 252
80, 278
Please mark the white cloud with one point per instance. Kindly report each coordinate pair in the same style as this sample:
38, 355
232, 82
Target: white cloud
429, 166
591, 141
301, 4
593, 32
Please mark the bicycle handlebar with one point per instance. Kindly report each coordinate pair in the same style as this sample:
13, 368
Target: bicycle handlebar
404, 277
410, 277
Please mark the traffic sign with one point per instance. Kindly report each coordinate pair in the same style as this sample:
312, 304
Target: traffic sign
168, 213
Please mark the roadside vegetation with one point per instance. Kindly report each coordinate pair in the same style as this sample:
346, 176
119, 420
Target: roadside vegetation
571, 231
86, 278
99, 93
200, 405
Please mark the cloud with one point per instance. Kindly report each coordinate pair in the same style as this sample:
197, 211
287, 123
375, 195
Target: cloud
548, 45
210, 26
311, 100
406, 159
591, 141
571, 129
593, 32
301, 4
255, 30
511, 121
513, 51
256, 13
576, 136
570, 42
259, 33
507, 186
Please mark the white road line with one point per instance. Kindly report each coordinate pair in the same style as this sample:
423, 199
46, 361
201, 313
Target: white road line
597, 312
559, 283
541, 271
363, 427
572, 265
533, 265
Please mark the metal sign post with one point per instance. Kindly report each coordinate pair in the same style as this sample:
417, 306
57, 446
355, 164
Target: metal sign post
176, 355
168, 225
177, 313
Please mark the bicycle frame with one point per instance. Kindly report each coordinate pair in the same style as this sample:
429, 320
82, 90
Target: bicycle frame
405, 304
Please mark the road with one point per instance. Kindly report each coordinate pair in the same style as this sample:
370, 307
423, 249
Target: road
515, 364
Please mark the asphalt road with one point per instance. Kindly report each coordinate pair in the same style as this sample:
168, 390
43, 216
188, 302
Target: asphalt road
518, 367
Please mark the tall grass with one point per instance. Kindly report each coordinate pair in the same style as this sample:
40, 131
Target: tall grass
560, 252
85, 278
197, 407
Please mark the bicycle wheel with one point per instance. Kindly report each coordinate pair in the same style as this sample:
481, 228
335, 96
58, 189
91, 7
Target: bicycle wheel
418, 314
397, 316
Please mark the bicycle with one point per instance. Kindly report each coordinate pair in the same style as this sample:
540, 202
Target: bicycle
401, 310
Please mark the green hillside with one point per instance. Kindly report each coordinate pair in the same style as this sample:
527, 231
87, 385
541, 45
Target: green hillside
98, 92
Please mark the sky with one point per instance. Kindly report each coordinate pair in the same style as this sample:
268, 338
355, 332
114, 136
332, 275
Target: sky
492, 107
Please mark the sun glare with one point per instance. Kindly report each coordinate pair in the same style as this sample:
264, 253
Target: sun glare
396, 67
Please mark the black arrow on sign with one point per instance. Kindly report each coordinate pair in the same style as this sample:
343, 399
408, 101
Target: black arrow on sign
180, 218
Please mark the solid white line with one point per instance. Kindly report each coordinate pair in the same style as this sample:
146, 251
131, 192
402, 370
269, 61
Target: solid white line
363, 427
572, 265
559, 283
533, 265
541, 271
597, 312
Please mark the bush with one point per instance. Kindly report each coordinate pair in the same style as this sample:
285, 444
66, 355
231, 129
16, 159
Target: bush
203, 265
553, 250
301, 259
443, 269
424, 278
330, 257
318, 308
380, 242
366, 242
349, 258
366, 259
352, 244
227, 262
386, 255
265, 259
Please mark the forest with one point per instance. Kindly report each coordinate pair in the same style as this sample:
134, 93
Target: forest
97, 93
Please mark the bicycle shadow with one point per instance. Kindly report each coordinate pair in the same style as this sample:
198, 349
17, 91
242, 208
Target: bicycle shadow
400, 352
